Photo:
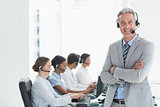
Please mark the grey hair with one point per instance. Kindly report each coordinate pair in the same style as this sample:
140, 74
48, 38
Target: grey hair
126, 10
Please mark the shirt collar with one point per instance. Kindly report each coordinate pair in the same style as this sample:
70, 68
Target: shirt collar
39, 77
84, 69
56, 75
130, 42
68, 68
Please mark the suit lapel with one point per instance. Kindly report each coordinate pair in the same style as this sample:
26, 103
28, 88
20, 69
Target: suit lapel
120, 52
132, 48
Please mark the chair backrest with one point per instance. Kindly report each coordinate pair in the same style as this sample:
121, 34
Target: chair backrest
25, 85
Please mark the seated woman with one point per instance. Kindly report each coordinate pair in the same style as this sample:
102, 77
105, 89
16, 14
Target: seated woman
42, 92
59, 63
82, 74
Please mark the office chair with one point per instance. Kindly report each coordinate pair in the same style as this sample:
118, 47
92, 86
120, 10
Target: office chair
25, 85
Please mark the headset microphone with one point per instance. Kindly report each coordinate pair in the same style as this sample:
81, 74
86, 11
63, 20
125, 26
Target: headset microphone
133, 31
86, 63
58, 66
41, 68
60, 69
45, 71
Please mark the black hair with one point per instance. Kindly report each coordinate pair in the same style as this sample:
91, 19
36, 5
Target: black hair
57, 60
73, 58
84, 57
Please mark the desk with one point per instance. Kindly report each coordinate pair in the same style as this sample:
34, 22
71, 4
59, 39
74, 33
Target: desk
97, 106
85, 102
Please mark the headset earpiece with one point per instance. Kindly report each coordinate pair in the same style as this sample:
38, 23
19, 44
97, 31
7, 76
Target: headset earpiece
84, 57
82, 60
76, 63
57, 66
117, 25
40, 68
137, 23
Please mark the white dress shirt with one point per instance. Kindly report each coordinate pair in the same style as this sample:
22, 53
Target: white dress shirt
83, 76
43, 94
71, 81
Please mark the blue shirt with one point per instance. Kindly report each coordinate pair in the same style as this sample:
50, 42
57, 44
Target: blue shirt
55, 80
120, 90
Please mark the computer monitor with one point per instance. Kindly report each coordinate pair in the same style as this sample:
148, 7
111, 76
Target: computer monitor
101, 88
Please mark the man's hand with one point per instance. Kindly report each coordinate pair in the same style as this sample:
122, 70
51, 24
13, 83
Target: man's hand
77, 95
138, 65
112, 69
88, 90
92, 85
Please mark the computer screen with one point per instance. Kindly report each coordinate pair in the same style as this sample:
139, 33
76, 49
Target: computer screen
101, 88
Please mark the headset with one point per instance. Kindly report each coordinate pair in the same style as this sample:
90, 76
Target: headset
57, 65
41, 67
137, 22
76, 63
84, 58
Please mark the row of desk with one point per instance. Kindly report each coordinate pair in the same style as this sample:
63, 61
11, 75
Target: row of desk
86, 102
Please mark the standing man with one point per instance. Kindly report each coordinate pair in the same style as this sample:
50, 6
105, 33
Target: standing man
127, 66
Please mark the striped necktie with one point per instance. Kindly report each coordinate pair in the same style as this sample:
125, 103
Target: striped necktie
125, 52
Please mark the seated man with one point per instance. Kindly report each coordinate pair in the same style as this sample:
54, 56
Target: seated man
70, 79
83, 75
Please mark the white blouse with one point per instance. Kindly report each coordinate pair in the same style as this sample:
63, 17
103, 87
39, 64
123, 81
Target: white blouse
43, 94
83, 76
71, 81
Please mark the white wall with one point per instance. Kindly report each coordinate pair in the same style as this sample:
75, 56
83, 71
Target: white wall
14, 50
50, 35
89, 26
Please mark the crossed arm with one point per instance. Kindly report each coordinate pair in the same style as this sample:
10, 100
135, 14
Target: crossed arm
134, 71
